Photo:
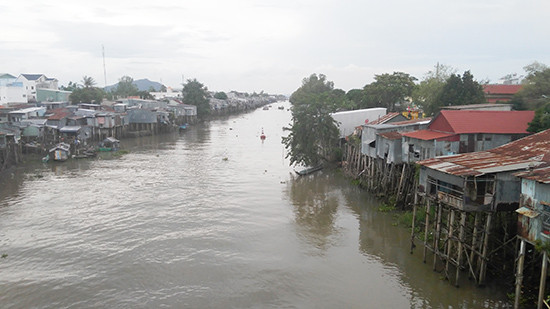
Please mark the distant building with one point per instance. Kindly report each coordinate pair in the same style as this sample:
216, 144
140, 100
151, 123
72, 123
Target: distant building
500, 93
52, 95
31, 82
11, 91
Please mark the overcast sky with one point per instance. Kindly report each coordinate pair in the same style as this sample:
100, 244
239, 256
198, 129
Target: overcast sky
270, 45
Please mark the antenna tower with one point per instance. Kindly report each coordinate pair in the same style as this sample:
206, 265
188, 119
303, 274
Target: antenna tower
104, 69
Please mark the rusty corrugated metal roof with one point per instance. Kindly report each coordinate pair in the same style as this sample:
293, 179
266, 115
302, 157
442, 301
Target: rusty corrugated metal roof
528, 152
391, 135
385, 118
540, 174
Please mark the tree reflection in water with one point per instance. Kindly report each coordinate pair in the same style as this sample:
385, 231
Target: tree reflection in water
315, 207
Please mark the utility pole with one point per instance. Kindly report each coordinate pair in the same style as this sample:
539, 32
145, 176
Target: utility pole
104, 68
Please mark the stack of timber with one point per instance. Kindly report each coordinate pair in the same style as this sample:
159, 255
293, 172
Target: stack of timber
386, 180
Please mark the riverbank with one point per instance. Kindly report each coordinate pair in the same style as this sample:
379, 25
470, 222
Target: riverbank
84, 128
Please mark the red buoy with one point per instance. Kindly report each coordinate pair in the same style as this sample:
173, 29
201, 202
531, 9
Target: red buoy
262, 137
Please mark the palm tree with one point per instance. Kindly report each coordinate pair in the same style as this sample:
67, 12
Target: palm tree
88, 81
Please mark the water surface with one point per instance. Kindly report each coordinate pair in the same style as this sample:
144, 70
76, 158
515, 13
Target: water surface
209, 218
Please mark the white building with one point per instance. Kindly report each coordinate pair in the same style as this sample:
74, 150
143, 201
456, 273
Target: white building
11, 91
349, 120
33, 81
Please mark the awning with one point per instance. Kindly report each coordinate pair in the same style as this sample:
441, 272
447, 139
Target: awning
527, 212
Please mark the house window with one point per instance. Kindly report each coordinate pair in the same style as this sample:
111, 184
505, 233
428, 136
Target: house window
488, 138
479, 137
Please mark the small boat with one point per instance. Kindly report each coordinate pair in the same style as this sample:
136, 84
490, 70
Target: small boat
61, 152
109, 144
309, 170
281, 107
266, 108
183, 127
89, 153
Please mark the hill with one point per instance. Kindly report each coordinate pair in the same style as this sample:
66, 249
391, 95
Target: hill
141, 84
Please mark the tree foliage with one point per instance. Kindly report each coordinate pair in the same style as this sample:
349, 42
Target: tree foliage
88, 82
427, 92
87, 95
357, 99
389, 90
195, 93
313, 134
70, 86
541, 121
126, 87
460, 90
220, 95
536, 86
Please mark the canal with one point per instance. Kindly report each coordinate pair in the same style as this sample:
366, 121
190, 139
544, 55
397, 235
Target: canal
212, 217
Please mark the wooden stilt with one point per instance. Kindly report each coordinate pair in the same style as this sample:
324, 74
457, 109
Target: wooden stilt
474, 244
426, 228
485, 250
401, 181
437, 234
543, 273
460, 246
450, 225
412, 228
519, 273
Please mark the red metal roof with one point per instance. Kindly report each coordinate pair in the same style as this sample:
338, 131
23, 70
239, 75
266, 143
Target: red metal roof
502, 89
530, 151
479, 121
428, 134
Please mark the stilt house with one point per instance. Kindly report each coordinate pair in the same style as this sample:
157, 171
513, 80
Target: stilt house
462, 131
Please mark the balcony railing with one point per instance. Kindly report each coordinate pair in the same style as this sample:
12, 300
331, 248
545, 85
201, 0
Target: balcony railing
450, 199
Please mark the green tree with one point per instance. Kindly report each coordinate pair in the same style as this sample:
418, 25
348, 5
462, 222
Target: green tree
70, 86
536, 86
534, 67
195, 93
163, 88
220, 95
390, 90
541, 121
357, 99
87, 95
126, 87
427, 92
88, 82
145, 95
313, 135
460, 91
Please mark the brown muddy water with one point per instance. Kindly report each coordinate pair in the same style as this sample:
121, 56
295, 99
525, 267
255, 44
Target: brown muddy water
209, 218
